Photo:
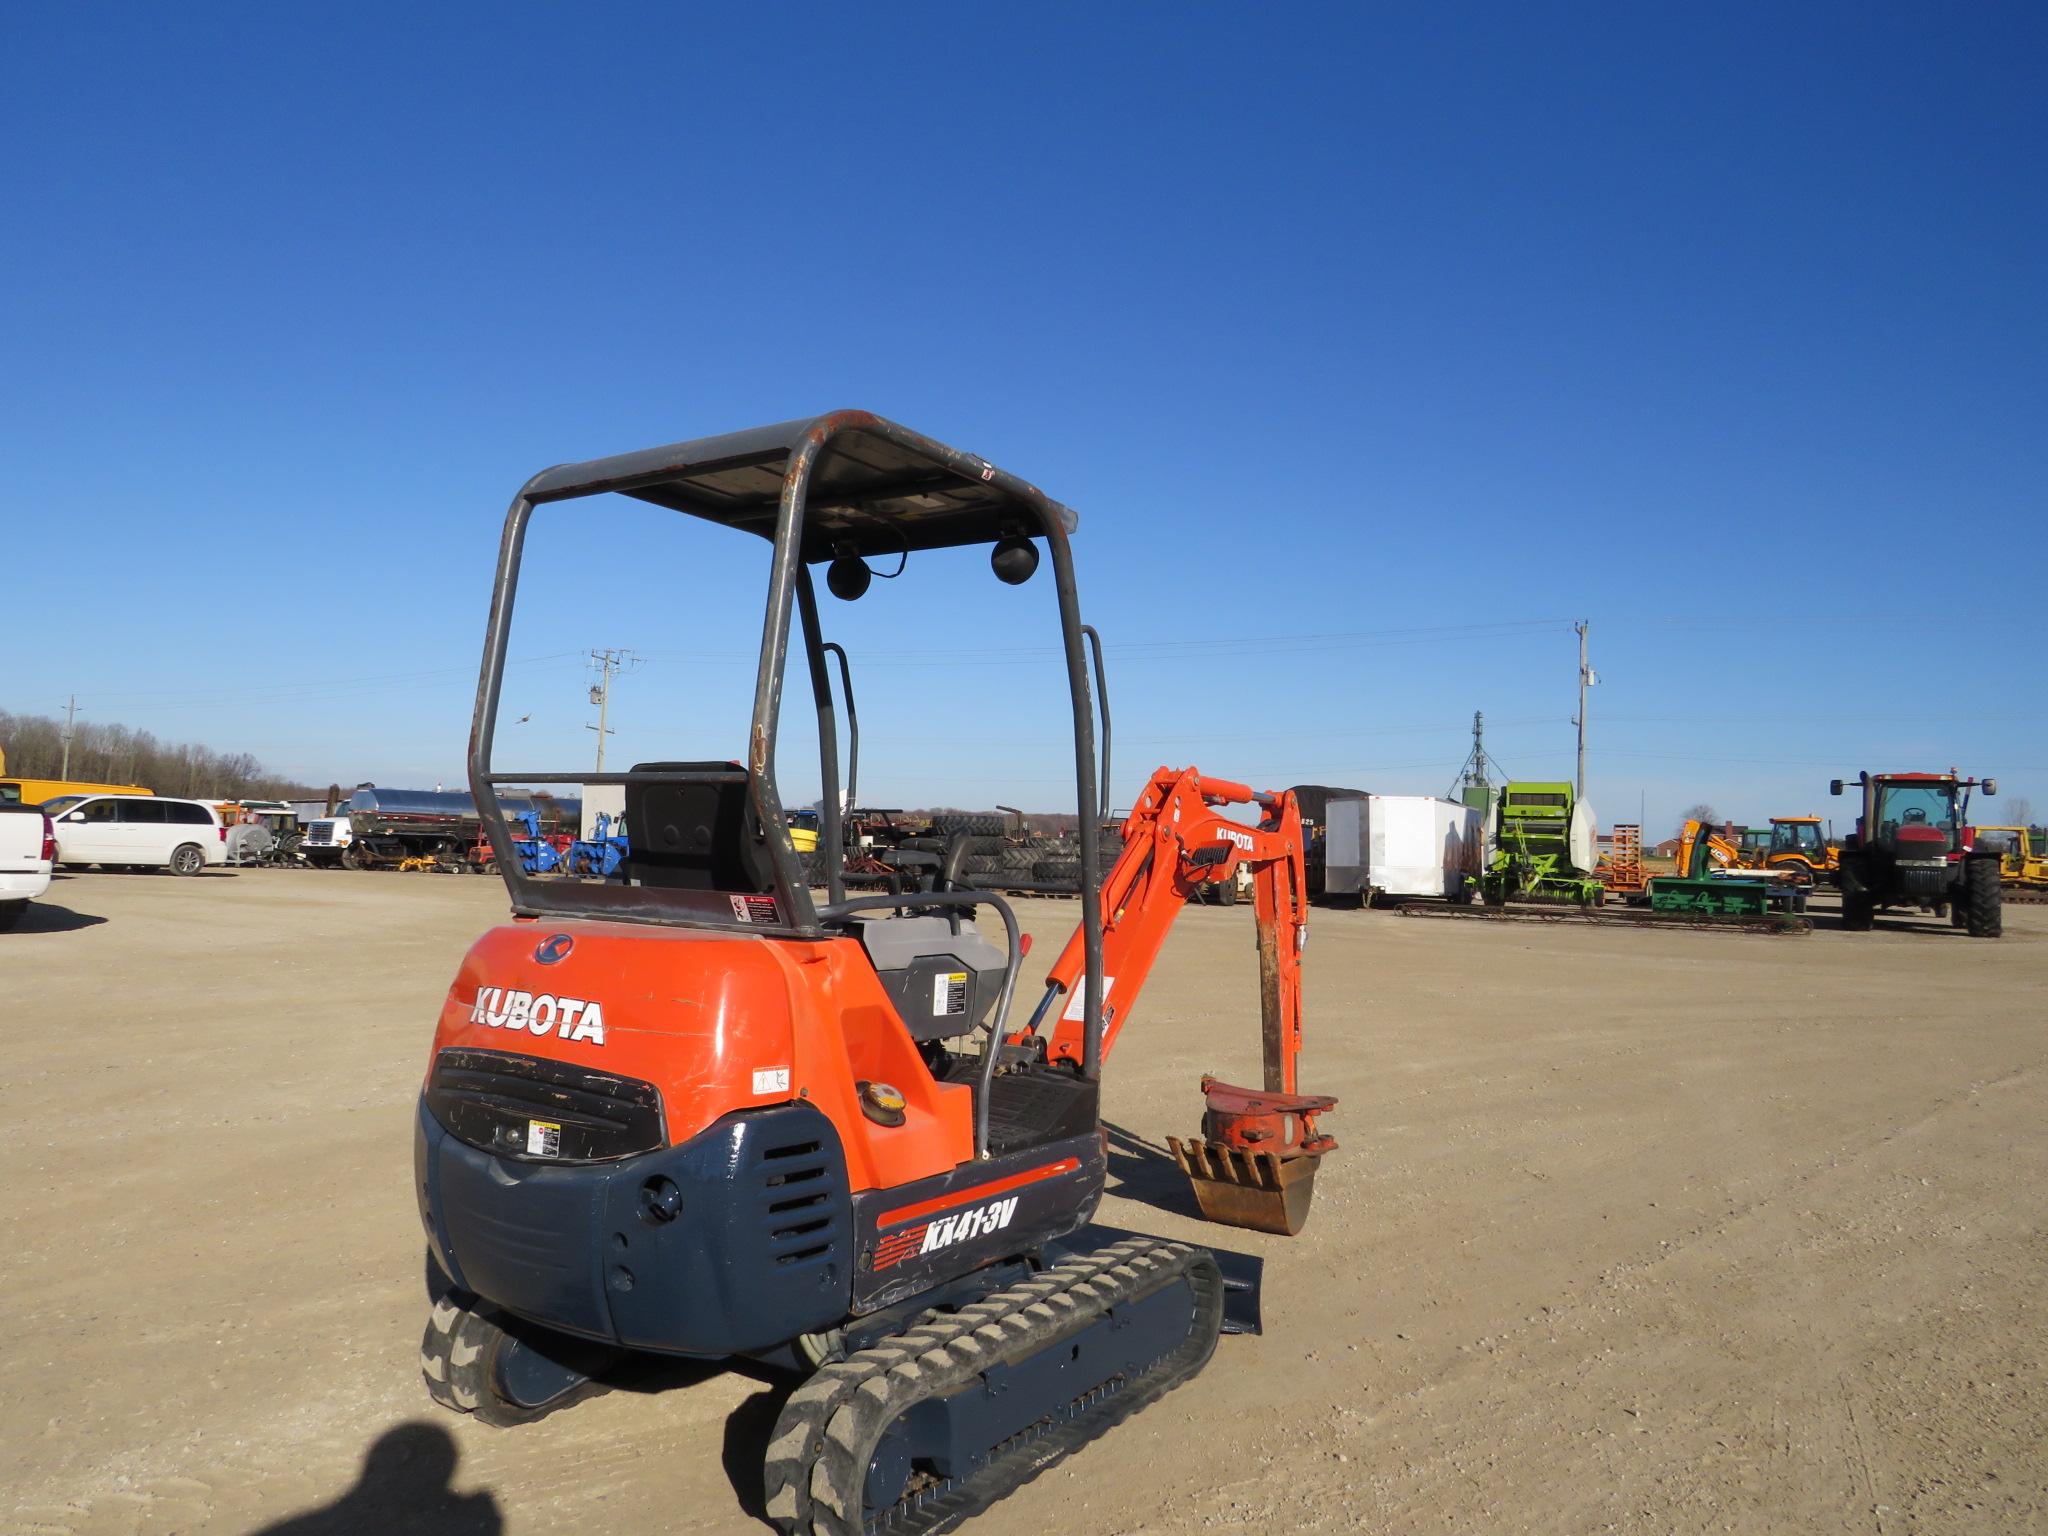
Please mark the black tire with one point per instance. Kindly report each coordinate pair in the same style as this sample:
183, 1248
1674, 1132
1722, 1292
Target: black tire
459, 1356
1983, 899
351, 858
1958, 912
1226, 891
973, 826
1859, 909
1018, 856
10, 913
1058, 869
187, 859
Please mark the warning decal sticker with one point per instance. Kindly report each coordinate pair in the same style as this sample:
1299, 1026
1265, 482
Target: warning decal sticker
756, 909
543, 1138
949, 992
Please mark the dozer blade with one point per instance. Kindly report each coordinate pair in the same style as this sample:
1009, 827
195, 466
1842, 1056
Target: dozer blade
1262, 1191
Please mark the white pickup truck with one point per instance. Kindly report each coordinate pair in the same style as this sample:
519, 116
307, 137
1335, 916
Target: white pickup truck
28, 847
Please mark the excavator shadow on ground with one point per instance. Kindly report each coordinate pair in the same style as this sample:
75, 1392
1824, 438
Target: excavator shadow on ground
1140, 1171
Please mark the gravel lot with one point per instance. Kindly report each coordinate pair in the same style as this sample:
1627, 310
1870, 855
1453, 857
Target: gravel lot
1629, 1231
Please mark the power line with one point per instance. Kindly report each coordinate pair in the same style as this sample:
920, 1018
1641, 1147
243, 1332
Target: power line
320, 687
1832, 760
1206, 646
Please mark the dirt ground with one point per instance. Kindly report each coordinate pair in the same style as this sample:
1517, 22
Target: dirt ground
1628, 1232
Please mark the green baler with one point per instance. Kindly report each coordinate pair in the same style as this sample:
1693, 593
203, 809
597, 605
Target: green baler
1542, 847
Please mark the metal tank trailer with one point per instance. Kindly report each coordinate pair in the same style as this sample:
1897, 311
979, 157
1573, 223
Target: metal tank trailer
424, 828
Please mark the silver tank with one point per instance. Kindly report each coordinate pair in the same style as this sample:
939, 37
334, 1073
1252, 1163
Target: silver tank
374, 811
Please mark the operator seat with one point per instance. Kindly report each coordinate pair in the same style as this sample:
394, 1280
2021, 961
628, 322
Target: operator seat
697, 837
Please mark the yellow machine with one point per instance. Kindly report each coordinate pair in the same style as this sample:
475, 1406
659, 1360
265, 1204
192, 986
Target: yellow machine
1799, 846
2019, 867
803, 830
37, 791
1721, 853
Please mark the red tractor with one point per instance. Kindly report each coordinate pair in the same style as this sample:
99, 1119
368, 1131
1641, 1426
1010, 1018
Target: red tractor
1914, 847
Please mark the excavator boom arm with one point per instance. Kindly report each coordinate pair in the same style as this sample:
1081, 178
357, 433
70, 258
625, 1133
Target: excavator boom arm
1175, 841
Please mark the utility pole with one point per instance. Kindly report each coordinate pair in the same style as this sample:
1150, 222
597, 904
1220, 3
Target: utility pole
608, 663
1586, 680
70, 713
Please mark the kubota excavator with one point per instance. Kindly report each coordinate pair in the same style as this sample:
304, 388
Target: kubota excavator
700, 1109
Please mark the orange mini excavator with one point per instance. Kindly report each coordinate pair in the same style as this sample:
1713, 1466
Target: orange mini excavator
703, 1109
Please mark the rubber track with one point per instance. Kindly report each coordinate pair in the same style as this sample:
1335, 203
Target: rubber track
1625, 918
817, 1460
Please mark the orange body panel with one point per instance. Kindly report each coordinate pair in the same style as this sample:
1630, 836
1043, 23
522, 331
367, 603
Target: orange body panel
699, 1014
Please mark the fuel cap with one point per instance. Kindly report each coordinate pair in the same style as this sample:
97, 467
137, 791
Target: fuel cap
882, 1103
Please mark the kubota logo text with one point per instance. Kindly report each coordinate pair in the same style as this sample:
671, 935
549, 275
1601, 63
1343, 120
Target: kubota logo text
930, 1236
570, 1018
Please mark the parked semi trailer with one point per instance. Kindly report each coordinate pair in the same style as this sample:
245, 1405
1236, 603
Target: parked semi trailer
1385, 847
1314, 801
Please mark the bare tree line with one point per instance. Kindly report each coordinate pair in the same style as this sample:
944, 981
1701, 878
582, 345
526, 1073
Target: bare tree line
114, 754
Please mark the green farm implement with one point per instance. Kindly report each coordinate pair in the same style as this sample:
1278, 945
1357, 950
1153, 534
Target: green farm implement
1542, 848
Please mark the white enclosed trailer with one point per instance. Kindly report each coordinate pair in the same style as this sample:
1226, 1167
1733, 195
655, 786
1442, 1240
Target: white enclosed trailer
1403, 845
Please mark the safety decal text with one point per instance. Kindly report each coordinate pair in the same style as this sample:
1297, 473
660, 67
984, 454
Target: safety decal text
760, 910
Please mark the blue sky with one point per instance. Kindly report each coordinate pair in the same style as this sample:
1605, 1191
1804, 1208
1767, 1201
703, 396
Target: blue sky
1418, 332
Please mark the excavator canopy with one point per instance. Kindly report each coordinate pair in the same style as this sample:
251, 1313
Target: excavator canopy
867, 493
836, 490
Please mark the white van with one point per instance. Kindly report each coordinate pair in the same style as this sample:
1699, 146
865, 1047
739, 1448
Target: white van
138, 832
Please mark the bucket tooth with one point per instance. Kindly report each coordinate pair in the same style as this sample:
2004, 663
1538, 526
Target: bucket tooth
1235, 1187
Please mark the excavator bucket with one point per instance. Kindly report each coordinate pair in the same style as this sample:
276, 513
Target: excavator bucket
1259, 1190
1255, 1163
